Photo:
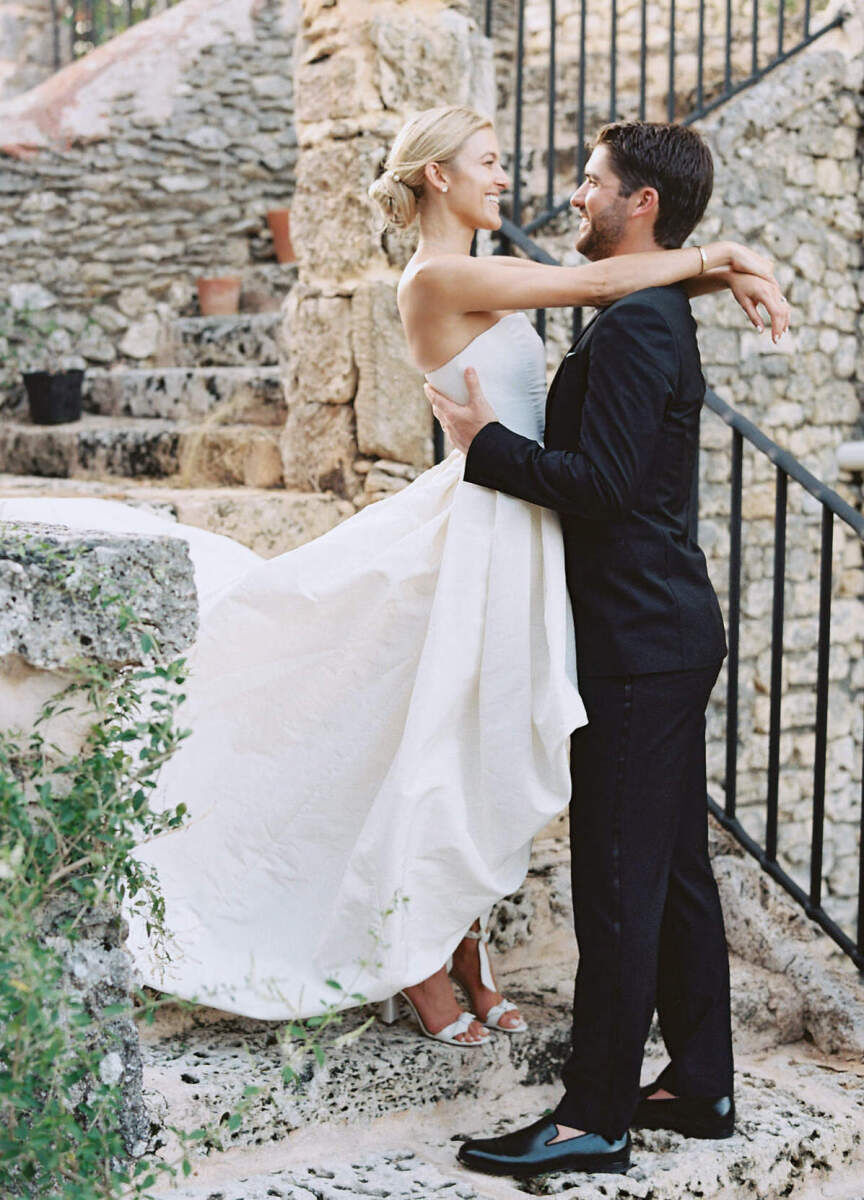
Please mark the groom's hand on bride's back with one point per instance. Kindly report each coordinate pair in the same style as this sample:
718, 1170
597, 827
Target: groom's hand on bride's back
462, 422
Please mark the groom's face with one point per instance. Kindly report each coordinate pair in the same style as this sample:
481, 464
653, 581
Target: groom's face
604, 211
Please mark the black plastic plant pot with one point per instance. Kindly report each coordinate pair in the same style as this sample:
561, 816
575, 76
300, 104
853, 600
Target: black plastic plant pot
54, 397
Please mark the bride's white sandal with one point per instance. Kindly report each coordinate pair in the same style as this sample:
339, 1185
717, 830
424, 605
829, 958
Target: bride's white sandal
388, 1012
492, 1020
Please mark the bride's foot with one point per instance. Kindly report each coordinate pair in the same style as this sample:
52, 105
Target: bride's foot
467, 971
437, 1007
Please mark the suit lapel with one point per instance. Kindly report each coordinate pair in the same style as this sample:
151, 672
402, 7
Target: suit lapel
575, 346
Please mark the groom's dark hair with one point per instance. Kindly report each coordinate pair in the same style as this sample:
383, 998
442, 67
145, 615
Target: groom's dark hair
675, 160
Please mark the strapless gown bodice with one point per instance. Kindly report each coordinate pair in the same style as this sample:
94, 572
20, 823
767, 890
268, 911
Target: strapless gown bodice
380, 724
511, 361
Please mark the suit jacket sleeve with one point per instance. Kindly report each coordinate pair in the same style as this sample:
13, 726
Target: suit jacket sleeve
632, 374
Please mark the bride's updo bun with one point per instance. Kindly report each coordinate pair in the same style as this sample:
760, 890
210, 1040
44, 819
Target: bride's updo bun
435, 135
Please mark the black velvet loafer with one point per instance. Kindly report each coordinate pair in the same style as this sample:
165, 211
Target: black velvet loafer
694, 1116
527, 1152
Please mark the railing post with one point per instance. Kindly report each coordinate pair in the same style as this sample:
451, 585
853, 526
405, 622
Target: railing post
517, 149
776, 666
700, 61
576, 326
727, 74
550, 134
670, 100
781, 14
860, 946
821, 747
613, 61
734, 632
55, 34
643, 59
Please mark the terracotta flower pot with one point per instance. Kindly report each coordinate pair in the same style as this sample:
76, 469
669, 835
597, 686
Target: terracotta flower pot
279, 220
219, 295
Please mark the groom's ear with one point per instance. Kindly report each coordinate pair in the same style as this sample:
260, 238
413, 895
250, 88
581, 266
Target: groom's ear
645, 203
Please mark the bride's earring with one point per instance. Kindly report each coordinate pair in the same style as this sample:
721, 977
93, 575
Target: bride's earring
445, 188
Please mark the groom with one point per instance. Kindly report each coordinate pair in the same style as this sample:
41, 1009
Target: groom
622, 430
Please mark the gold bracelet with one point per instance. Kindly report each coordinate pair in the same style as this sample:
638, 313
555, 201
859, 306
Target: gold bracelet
704, 258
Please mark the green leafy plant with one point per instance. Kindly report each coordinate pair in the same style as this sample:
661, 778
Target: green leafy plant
69, 821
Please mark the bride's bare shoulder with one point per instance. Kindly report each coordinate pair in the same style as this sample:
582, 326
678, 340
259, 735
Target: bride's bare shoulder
434, 330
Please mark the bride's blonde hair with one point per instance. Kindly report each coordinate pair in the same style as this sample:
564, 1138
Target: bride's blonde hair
435, 135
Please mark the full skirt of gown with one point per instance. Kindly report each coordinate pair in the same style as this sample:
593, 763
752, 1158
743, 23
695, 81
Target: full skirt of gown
380, 724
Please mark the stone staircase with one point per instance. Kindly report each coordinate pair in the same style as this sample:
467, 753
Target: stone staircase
196, 436
383, 1115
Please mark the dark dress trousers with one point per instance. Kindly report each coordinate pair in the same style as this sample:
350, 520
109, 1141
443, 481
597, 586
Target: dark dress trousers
622, 431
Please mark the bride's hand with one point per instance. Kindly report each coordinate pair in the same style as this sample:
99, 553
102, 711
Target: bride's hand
747, 261
752, 290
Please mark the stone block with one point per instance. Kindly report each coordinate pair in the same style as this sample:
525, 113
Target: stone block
269, 522
94, 445
230, 454
142, 337
30, 296
132, 448
394, 420
321, 359
230, 341
338, 87
420, 63
224, 395
385, 479
318, 446
49, 620
332, 219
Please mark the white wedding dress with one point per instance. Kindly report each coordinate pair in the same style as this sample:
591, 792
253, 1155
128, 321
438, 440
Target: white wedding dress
380, 724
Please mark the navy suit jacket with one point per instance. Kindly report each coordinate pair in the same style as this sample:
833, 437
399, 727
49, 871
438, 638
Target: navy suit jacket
622, 434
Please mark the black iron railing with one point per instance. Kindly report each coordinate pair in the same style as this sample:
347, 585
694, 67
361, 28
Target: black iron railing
761, 37
81, 25
833, 508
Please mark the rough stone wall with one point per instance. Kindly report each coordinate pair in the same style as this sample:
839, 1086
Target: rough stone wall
357, 418
789, 156
788, 181
149, 163
26, 45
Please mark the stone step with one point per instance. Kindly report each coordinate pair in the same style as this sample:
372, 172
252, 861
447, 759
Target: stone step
138, 447
253, 395
201, 1064
243, 340
198, 1063
267, 520
385, 1114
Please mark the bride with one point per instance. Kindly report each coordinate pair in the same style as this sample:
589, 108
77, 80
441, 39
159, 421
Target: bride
381, 718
